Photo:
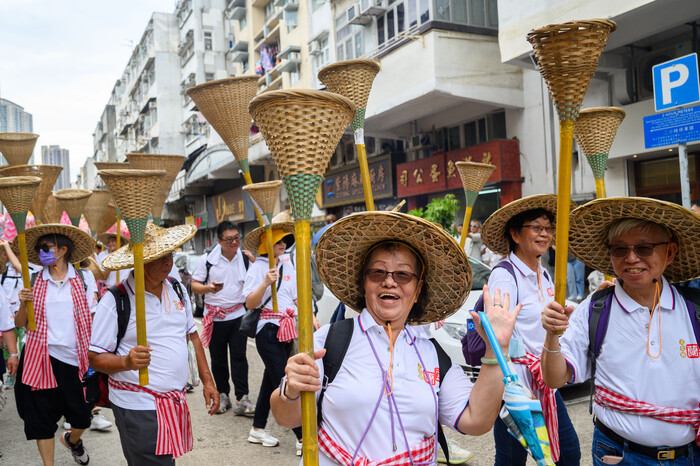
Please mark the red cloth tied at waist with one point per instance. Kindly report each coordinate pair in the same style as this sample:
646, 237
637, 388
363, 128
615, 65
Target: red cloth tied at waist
423, 453
174, 423
208, 320
547, 400
611, 400
288, 328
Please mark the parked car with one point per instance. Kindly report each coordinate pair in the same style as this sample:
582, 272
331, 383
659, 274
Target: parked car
186, 263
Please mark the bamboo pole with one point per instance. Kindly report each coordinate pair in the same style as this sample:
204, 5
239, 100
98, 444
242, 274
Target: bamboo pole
566, 137
465, 225
119, 236
140, 298
364, 168
26, 282
271, 257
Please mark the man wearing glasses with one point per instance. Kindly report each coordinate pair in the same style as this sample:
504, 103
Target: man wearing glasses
220, 278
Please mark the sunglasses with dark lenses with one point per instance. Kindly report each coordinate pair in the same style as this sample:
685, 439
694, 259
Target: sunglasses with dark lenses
379, 275
44, 247
641, 249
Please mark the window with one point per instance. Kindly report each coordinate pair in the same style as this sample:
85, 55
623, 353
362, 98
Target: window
208, 77
403, 15
349, 38
493, 126
243, 22
207, 40
269, 9
244, 66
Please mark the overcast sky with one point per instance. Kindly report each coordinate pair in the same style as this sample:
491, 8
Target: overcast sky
59, 59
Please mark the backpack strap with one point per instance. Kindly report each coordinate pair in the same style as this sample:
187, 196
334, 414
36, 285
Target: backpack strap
598, 318
208, 265
82, 277
246, 262
178, 289
337, 343
692, 301
123, 310
32, 280
444, 362
508, 265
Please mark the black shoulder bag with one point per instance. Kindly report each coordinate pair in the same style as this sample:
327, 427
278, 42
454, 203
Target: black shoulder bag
249, 321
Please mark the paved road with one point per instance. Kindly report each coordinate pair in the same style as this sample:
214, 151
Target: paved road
222, 439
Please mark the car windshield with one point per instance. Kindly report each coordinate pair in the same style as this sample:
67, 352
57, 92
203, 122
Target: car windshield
480, 274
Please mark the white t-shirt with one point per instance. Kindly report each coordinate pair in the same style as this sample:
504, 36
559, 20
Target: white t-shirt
670, 380
7, 318
286, 291
232, 273
349, 401
168, 322
13, 283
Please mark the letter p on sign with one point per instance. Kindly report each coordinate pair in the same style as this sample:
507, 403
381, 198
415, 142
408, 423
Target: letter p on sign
676, 83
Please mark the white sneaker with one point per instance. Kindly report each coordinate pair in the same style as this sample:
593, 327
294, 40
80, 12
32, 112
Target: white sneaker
224, 403
299, 446
262, 436
66, 425
458, 455
99, 422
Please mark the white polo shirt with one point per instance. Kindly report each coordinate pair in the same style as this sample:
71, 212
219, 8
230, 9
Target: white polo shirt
232, 273
286, 291
13, 283
534, 298
61, 334
350, 400
168, 323
7, 318
623, 365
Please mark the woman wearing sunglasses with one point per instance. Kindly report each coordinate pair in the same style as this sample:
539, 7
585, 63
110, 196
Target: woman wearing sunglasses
389, 395
648, 366
55, 357
522, 231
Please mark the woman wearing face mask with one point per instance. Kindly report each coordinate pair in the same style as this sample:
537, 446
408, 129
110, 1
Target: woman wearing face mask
55, 357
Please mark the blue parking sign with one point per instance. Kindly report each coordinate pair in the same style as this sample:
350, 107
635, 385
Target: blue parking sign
676, 83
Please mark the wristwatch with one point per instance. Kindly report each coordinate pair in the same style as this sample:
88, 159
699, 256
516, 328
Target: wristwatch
283, 390
13, 355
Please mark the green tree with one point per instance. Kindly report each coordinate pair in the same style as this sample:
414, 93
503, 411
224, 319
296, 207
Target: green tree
441, 211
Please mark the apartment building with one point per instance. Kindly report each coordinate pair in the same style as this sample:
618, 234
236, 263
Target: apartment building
55, 155
13, 119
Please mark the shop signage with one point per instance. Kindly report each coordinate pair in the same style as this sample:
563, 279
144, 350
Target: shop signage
228, 205
189, 220
344, 186
422, 176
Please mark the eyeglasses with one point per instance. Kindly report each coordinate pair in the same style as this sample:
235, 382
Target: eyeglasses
641, 249
400, 277
539, 229
231, 239
44, 247
474, 226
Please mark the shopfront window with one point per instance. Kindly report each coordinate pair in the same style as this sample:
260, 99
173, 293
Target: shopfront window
660, 178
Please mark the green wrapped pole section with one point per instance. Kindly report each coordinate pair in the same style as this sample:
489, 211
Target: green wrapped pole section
245, 165
75, 221
157, 221
359, 120
118, 212
470, 197
301, 189
20, 221
137, 228
598, 162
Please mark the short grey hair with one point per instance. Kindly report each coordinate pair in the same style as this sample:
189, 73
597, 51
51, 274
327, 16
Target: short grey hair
622, 226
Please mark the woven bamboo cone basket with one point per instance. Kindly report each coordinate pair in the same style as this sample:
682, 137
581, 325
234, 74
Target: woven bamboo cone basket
73, 201
170, 163
595, 131
95, 207
265, 196
353, 79
115, 166
16, 194
52, 211
302, 129
17, 147
133, 192
474, 176
47, 173
108, 218
567, 56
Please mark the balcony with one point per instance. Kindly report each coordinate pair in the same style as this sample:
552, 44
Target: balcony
290, 59
267, 36
272, 81
236, 13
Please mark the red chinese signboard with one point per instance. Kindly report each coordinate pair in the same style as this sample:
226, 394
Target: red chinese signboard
422, 176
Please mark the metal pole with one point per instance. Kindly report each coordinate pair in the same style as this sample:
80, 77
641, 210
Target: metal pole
685, 181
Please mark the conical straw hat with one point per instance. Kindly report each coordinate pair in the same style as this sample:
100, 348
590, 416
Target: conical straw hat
47, 173
17, 147
134, 191
224, 103
109, 217
302, 129
567, 56
91, 264
352, 79
95, 206
595, 131
52, 211
73, 201
16, 194
265, 195
474, 176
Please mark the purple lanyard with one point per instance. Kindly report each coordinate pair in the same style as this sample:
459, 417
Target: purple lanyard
393, 405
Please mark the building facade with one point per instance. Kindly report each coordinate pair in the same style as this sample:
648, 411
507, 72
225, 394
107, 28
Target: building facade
54, 155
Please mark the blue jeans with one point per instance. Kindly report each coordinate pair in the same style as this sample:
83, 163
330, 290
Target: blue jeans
575, 278
602, 445
510, 452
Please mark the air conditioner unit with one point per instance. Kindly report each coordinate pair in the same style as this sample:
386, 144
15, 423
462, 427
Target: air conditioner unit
354, 17
645, 63
372, 7
421, 140
315, 48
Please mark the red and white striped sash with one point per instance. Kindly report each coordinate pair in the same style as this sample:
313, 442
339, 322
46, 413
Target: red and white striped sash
37, 371
208, 320
423, 453
174, 423
288, 328
547, 399
611, 400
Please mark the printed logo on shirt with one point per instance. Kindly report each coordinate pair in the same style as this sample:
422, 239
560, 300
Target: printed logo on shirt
433, 376
287, 278
691, 351
178, 305
550, 291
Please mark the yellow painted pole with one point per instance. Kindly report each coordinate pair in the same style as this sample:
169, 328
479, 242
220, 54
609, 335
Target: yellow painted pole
140, 299
600, 188
465, 225
364, 170
271, 257
302, 233
249, 180
26, 282
119, 238
566, 136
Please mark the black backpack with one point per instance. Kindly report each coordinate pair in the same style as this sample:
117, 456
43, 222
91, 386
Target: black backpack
337, 343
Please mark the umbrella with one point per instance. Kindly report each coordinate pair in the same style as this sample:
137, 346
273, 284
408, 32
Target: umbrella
319, 233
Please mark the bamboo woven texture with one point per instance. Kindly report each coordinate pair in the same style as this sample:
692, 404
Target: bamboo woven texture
282, 221
73, 201
157, 243
352, 79
108, 218
590, 223
567, 56
47, 173
17, 147
95, 207
158, 203
224, 104
595, 131
133, 190
83, 244
343, 249
168, 162
265, 194
112, 165
474, 175
91, 264
52, 211
17, 192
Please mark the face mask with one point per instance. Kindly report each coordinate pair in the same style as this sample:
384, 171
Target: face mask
47, 258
